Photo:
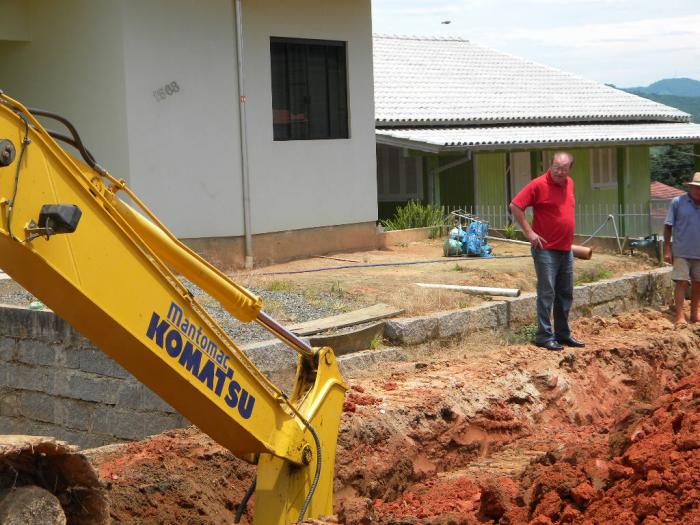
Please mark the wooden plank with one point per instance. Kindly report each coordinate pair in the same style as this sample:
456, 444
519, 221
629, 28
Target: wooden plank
353, 340
364, 315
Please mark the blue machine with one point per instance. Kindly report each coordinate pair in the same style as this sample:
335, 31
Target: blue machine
471, 242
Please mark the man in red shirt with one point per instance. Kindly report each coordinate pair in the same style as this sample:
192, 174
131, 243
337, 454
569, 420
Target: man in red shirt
552, 199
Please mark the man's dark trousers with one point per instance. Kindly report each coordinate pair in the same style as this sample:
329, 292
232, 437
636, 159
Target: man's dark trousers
555, 290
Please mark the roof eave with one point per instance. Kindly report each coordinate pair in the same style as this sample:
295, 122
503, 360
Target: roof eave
450, 123
441, 148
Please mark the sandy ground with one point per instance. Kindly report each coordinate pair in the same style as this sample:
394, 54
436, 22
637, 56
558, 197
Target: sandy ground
395, 284
476, 432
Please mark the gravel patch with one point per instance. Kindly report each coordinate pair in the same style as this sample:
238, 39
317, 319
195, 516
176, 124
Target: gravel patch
286, 307
289, 307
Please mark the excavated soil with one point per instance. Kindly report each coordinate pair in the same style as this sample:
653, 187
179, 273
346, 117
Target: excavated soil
476, 432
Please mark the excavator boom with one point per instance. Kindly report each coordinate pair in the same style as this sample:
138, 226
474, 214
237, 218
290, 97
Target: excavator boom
68, 238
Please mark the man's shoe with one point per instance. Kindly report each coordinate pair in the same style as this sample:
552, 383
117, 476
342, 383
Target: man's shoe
551, 345
570, 341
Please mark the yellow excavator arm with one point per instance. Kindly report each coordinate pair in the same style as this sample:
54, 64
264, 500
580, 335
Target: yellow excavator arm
111, 272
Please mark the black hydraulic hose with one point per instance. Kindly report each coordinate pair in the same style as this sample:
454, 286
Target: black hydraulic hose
77, 141
317, 475
312, 490
71, 142
11, 205
404, 263
244, 502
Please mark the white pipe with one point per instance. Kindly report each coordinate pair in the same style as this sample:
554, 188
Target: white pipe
474, 290
247, 228
512, 241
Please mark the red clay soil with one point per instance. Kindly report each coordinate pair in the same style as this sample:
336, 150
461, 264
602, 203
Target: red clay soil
651, 476
476, 433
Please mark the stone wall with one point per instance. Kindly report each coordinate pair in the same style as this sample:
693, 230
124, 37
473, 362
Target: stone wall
54, 382
604, 298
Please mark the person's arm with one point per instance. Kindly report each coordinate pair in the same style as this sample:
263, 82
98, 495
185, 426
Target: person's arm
519, 214
668, 230
668, 255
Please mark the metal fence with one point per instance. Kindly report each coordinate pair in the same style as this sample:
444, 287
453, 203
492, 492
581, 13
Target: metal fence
632, 220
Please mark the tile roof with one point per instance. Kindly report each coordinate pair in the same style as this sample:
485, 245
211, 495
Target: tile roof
659, 190
440, 81
543, 136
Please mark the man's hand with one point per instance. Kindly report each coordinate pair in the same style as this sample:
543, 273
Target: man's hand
668, 255
535, 240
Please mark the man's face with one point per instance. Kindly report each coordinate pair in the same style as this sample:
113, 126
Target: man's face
559, 170
695, 193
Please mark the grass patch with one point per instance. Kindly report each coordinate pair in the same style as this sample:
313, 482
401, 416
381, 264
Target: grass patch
278, 286
590, 276
376, 342
523, 335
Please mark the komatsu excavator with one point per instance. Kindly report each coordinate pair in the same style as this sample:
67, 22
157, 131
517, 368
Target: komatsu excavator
112, 272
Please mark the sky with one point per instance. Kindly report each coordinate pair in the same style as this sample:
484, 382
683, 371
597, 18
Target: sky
622, 42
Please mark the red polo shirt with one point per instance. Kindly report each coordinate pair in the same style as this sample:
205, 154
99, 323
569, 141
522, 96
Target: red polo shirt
553, 208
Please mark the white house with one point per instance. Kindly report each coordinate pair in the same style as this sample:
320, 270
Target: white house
154, 88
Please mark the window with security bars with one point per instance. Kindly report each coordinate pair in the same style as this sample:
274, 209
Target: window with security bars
399, 177
309, 89
603, 168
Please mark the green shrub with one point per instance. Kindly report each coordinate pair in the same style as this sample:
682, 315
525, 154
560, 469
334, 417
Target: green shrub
523, 335
416, 215
510, 231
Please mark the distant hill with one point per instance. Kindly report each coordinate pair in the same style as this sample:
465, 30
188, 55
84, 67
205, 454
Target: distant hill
671, 164
688, 104
668, 92
680, 87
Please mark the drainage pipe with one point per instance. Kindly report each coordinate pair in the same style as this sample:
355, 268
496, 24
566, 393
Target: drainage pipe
247, 228
474, 290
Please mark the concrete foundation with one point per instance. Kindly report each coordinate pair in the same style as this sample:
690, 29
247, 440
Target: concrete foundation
228, 253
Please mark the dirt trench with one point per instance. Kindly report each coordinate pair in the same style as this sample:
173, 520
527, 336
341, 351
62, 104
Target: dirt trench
476, 432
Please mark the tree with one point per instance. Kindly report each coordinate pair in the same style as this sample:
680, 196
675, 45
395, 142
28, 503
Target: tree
672, 165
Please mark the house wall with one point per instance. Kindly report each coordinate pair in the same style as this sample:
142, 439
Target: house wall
185, 159
638, 179
72, 65
490, 186
593, 204
457, 183
14, 21
339, 176
101, 63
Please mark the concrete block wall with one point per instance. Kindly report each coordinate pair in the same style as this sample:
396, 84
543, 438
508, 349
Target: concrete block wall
54, 382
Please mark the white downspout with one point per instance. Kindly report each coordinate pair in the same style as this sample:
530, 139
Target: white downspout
244, 143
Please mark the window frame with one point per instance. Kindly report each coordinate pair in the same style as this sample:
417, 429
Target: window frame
609, 177
339, 97
384, 162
